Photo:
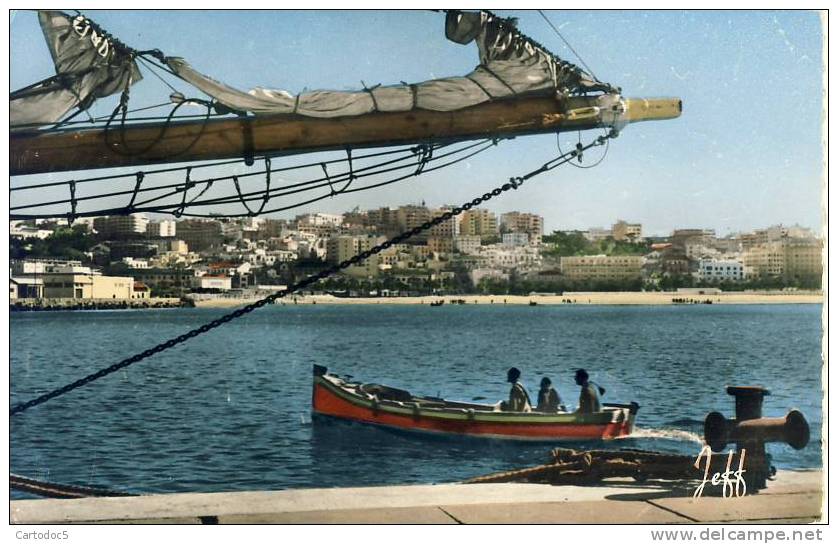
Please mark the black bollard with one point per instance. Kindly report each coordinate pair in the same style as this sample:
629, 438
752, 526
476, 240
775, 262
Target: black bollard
750, 431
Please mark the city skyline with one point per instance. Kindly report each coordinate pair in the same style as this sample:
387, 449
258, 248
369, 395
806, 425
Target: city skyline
155, 217
745, 154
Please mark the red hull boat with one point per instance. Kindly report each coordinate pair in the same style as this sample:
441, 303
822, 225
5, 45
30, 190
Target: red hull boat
396, 408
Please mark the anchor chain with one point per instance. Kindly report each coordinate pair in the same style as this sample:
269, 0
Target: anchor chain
513, 183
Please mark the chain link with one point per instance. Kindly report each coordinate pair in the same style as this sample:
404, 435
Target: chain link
513, 183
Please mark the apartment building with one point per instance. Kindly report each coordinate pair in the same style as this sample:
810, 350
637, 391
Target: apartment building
523, 223
627, 232
714, 270
602, 267
117, 227
479, 222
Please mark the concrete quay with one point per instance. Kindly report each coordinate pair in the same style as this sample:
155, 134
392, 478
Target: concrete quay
56, 304
793, 497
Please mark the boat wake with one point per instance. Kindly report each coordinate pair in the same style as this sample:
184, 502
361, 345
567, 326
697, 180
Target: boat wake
667, 434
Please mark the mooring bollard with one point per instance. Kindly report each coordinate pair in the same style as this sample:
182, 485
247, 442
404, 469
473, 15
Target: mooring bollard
750, 431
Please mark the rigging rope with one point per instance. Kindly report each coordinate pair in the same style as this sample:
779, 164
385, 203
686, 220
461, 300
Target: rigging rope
513, 183
567, 43
60, 491
157, 203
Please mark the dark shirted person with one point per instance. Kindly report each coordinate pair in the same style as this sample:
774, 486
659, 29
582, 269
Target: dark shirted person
589, 395
548, 399
519, 400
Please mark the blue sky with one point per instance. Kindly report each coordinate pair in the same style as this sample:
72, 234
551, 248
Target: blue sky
745, 154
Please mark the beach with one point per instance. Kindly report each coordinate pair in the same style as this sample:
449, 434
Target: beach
598, 298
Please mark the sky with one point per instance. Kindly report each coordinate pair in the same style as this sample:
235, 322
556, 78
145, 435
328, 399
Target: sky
746, 152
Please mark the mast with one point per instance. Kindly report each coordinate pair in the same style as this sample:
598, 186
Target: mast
36, 152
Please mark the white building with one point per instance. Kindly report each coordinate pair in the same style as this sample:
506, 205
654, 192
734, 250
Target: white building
162, 229
28, 267
516, 239
597, 233
468, 244
135, 263
23, 232
479, 274
698, 249
320, 220
519, 258
207, 281
720, 270
121, 226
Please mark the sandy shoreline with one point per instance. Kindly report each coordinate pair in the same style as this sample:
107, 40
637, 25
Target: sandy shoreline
599, 298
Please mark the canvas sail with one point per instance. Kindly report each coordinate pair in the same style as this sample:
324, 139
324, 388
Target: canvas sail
88, 65
510, 66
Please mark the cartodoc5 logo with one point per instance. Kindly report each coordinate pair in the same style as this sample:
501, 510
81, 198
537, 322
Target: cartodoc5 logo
42, 535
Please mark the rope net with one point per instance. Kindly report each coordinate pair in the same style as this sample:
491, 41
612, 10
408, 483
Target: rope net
231, 188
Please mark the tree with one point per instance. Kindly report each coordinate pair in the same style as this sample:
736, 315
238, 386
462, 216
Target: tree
71, 243
565, 244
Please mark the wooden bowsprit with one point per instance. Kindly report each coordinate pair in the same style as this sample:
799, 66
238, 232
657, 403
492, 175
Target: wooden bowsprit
32, 152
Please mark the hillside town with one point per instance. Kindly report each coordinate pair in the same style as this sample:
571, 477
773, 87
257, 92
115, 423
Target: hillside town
137, 258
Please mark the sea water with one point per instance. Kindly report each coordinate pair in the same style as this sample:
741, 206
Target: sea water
230, 410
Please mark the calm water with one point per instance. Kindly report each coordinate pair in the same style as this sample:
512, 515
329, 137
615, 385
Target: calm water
230, 410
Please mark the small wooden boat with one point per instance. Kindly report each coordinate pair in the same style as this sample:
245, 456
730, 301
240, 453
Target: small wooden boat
437, 303
396, 408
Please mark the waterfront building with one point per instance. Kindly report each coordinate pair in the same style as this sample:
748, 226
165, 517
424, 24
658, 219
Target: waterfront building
77, 284
602, 267
26, 287
212, 282
627, 232
141, 291
714, 270
118, 227
803, 259
164, 277
789, 258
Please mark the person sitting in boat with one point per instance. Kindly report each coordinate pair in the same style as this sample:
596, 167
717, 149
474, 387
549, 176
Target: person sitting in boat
589, 396
519, 400
548, 399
